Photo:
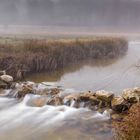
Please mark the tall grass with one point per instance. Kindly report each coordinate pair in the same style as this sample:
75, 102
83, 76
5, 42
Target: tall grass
36, 55
129, 128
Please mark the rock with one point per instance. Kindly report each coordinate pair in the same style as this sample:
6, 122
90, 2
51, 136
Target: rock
68, 99
54, 91
131, 95
39, 102
3, 85
25, 89
6, 78
55, 101
94, 100
86, 96
104, 96
88, 100
119, 104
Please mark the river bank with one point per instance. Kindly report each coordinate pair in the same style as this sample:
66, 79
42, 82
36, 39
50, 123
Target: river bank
38, 55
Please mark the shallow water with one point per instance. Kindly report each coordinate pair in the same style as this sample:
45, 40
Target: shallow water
114, 75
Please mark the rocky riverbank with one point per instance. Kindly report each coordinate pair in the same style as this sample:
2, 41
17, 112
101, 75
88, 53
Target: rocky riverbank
50, 94
37, 55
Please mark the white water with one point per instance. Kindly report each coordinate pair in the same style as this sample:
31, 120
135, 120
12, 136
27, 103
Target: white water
20, 121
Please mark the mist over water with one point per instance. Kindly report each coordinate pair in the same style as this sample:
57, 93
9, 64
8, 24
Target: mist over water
104, 14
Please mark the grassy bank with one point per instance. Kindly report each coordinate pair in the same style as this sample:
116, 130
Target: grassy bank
37, 55
129, 127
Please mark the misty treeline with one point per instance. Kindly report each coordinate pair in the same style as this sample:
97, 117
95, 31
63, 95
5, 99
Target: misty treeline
70, 12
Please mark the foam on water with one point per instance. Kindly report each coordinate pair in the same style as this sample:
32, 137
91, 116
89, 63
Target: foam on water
20, 121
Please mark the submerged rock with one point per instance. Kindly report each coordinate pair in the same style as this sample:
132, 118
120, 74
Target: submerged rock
38, 102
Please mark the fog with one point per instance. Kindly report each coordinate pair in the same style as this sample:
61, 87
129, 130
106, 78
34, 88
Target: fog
96, 13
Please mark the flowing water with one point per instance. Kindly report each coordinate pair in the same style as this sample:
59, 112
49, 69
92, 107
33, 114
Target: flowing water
21, 121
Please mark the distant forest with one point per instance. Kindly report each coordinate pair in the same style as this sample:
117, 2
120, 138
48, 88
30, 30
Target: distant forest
71, 12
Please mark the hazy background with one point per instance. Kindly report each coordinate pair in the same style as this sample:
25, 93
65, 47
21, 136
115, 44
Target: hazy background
122, 14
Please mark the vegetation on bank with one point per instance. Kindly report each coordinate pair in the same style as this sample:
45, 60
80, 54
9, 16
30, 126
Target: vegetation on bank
37, 55
129, 127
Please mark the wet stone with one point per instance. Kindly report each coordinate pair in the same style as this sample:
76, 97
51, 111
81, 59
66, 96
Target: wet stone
25, 89
54, 91
105, 96
131, 95
6, 78
55, 101
119, 104
38, 102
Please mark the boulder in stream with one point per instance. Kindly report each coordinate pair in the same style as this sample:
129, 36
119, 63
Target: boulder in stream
5, 81
6, 78
104, 96
25, 89
119, 104
55, 101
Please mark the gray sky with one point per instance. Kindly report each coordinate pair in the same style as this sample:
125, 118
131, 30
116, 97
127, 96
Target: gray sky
71, 12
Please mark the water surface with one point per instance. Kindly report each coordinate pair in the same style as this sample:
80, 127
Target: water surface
114, 75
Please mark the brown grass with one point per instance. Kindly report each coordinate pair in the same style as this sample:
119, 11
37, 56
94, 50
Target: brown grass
37, 55
129, 128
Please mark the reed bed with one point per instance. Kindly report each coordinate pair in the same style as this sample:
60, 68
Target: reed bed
37, 55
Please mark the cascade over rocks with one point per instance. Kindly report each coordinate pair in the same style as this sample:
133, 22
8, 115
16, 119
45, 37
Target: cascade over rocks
51, 95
